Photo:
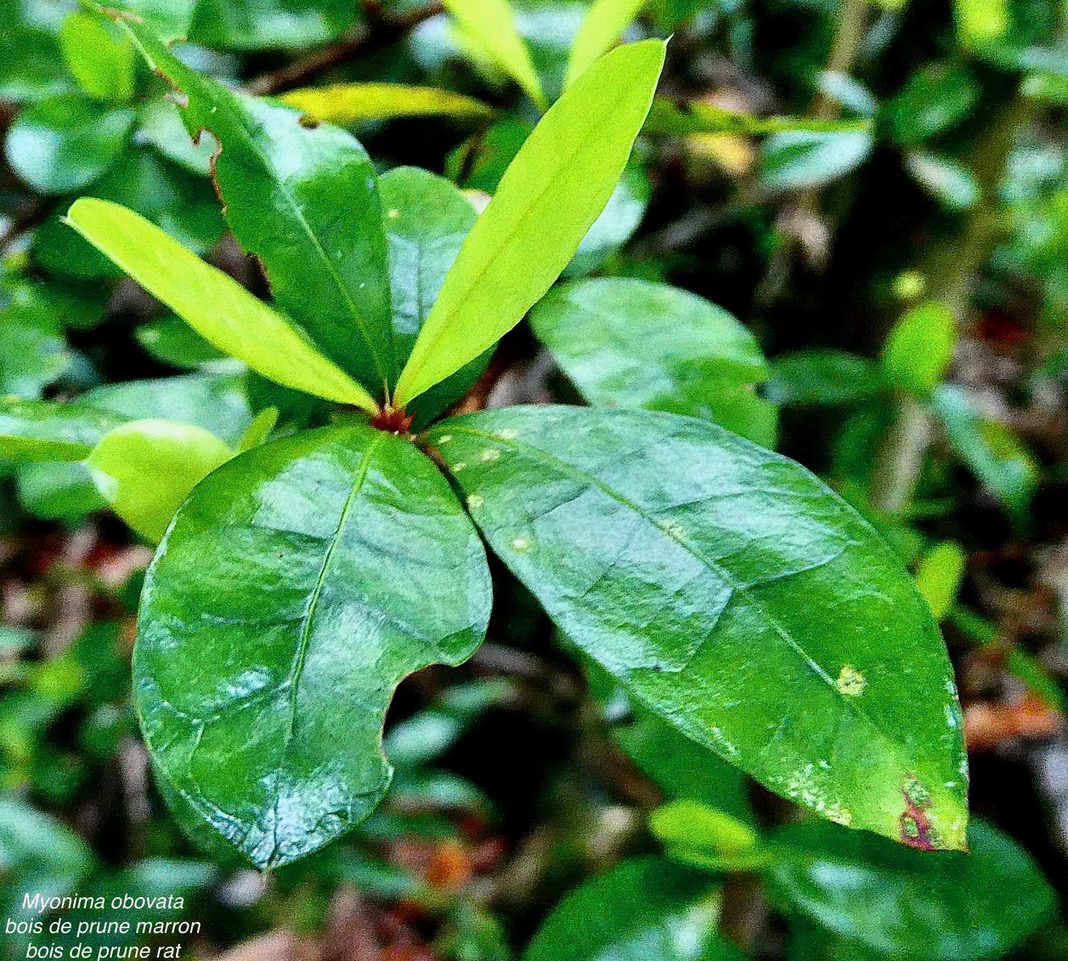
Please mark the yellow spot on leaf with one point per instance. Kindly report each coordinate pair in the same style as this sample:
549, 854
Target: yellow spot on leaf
851, 682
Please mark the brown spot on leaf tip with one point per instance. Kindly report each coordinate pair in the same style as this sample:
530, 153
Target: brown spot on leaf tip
914, 825
308, 122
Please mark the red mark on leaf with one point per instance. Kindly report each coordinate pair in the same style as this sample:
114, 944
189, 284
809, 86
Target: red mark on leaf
915, 826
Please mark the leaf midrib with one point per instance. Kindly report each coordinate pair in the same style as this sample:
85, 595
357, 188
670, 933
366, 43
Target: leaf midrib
296, 670
849, 703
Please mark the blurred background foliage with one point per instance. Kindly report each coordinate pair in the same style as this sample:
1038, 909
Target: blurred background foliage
877, 190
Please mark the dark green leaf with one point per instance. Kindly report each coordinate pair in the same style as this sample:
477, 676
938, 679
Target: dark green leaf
313, 574
426, 221
38, 430
934, 99
65, 144
645, 909
910, 904
172, 341
282, 184
631, 343
695, 566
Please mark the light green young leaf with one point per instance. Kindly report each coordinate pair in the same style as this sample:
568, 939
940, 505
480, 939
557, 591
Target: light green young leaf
693, 565
548, 198
939, 576
41, 430
213, 303
146, 468
702, 835
101, 58
491, 23
602, 27
314, 573
980, 22
347, 104
919, 349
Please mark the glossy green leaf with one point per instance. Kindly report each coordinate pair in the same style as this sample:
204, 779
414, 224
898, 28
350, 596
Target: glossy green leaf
145, 469
910, 904
41, 430
939, 576
674, 553
992, 451
645, 909
553, 191
631, 343
796, 160
101, 59
215, 402
667, 118
64, 144
304, 200
979, 22
213, 303
919, 348
426, 220
491, 24
602, 28
824, 377
313, 573
347, 104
